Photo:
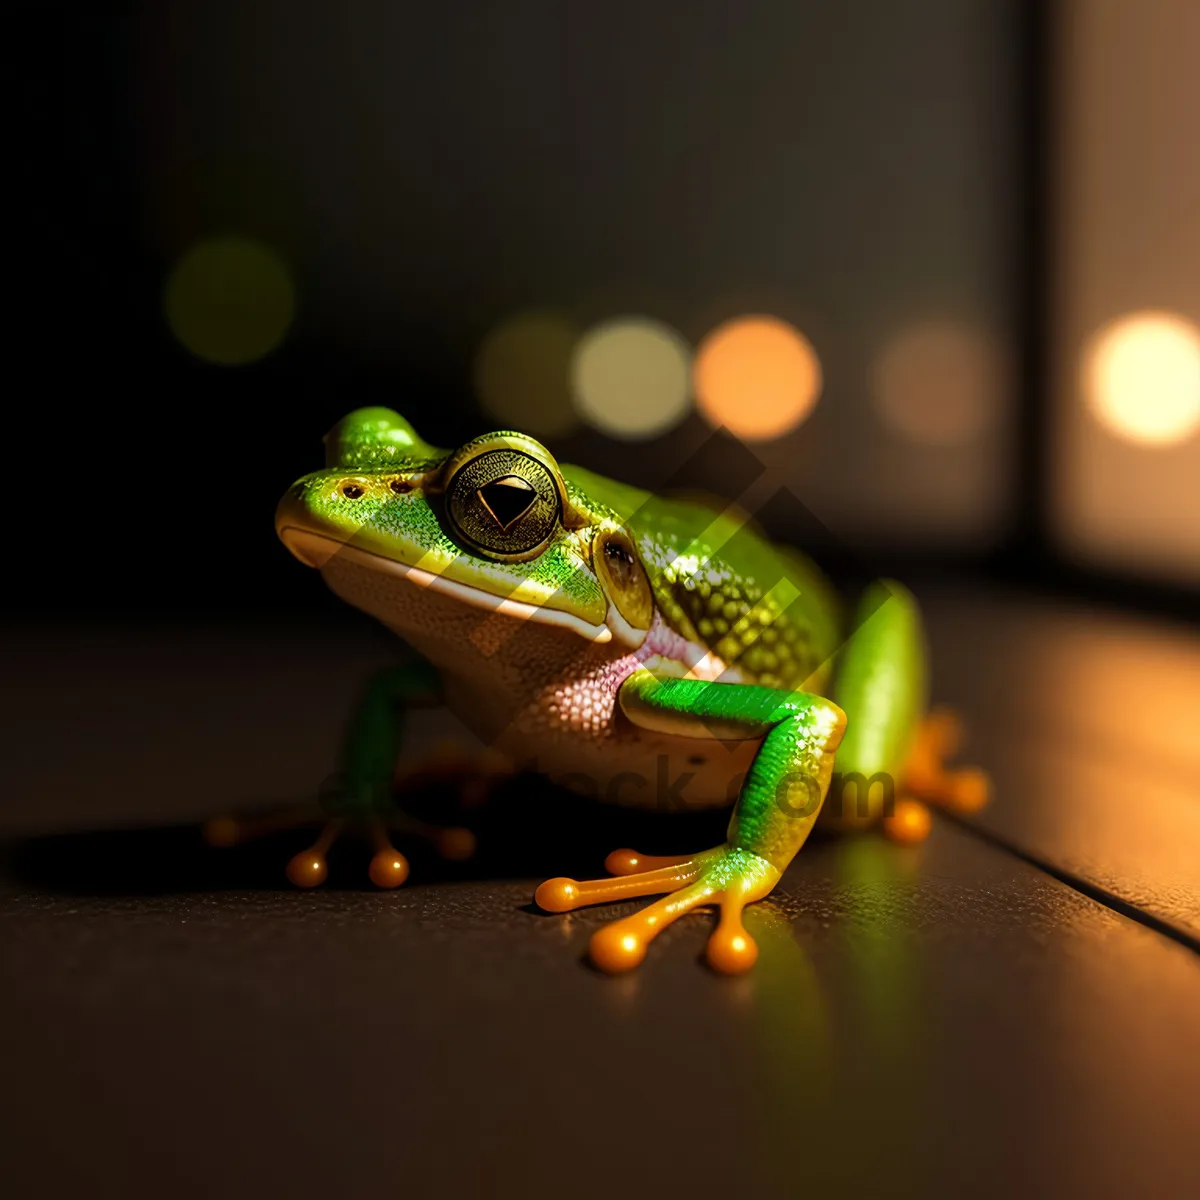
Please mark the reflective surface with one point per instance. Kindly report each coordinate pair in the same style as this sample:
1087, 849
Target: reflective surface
937, 1020
1088, 723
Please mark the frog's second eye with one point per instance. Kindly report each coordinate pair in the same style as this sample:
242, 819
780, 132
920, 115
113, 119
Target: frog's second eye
503, 504
625, 582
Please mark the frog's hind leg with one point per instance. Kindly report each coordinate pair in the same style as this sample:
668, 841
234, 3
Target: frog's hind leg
891, 763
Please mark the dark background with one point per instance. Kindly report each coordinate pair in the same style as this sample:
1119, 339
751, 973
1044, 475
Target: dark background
425, 172
1007, 1010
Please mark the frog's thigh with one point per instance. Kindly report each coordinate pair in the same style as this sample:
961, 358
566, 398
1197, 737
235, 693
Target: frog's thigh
892, 756
881, 687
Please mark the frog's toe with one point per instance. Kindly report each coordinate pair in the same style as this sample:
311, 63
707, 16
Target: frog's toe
908, 824
630, 862
233, 830
309, 868
926, 777
222, 831
558, 895
615, 949
731, 950
455, 843
563, 895
621, 945
452, 842
389, 868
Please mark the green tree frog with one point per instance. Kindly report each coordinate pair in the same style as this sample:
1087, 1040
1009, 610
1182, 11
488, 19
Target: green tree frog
618, 638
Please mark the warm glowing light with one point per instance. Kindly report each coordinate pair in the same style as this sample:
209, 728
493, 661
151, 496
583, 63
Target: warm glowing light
1141, 378
630, 377
758, 376
939, 384
629, 942
230, 300
522, 373
738, 943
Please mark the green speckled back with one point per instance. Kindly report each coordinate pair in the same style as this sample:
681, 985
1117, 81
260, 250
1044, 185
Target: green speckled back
719, 582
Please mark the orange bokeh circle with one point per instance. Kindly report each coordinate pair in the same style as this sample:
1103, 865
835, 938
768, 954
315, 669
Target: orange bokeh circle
756, 375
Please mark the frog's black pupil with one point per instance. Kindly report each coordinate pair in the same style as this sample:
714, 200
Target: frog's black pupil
616, 550
507, 499
352, 491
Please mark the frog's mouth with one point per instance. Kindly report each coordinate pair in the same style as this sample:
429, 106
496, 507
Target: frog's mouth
316, 550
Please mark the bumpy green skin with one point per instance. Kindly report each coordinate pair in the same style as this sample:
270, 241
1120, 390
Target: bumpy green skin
720, 583
763, 611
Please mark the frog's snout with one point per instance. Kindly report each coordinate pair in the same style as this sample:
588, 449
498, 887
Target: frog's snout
310, 548
294, 528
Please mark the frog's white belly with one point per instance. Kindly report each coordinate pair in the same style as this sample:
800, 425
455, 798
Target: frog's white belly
576, 736
647, 770
547, 700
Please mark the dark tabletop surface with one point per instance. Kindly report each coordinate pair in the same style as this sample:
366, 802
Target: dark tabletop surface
1011, 1009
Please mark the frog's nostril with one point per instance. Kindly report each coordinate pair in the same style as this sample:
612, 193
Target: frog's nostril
352, 491
401, 487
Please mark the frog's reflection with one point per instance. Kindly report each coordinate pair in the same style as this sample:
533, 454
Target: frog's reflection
837, 1022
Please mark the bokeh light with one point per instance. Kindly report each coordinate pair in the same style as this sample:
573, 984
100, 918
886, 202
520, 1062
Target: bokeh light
758, 376
522, 373
630, 377
230, 300
1141, 377
939, 384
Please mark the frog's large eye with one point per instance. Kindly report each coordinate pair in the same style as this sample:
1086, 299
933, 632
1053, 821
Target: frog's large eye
504, 503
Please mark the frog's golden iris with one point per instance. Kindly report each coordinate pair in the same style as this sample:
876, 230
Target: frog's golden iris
503, 504
616, 563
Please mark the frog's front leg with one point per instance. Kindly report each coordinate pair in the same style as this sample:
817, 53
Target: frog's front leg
775, 812
365, 793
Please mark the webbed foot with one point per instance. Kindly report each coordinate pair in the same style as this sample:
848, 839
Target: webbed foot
726, 876
388, 867
926, 776
926, 780
446, 765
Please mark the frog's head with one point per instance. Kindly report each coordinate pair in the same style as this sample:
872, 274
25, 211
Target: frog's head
409, 533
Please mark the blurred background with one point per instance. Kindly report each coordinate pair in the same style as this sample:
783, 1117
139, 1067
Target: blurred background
934, 262
934, 268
